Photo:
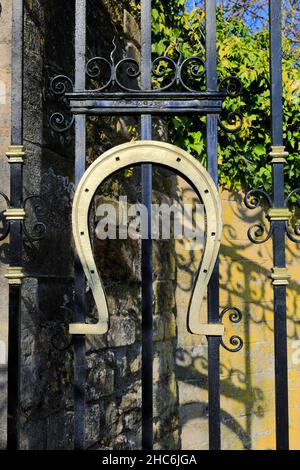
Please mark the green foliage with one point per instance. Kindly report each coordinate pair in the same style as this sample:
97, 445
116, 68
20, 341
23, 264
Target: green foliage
242, 157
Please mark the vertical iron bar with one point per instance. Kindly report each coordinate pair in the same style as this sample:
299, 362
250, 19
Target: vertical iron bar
15, 244
213, 287
80, 160
147, 320
280, 327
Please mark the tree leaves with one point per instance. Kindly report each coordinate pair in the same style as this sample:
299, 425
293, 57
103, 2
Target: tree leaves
243, 52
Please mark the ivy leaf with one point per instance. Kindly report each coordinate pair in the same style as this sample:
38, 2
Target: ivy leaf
259, 149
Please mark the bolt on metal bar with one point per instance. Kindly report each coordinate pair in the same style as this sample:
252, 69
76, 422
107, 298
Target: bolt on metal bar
280, 327
213, 287
80, 161
15, 248
147, 319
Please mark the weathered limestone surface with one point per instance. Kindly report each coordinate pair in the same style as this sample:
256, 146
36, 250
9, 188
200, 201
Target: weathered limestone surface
247, 377
113, 381
113, 362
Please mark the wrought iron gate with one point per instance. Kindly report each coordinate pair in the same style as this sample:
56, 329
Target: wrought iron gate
113, 98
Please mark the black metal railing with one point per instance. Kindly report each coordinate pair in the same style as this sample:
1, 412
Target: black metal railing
176, 96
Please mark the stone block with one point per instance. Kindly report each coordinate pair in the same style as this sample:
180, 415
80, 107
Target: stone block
100, 375
122, 332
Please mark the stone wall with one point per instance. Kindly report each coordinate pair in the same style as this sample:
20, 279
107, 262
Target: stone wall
247, 377
113, 393
47, 291
113, 417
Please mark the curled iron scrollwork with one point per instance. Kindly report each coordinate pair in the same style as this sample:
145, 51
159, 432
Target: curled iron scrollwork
60, 339
231, 85
233, 121
6, 224
257, 231
164, 68
252, 199
61, 121
38, 229
94, 70
108, 72
132, 69
235, 316
194, 68
173, 74
60, 85
293, 232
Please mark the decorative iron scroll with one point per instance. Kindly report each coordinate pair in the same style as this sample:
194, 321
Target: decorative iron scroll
258, 233
178, 73
6, 225
181, 162
183, 78
235, 316
61, 121
37, 229
232, 122
252, 200
60, 339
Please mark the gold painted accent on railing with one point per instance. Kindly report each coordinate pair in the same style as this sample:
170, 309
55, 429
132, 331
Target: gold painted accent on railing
278, 154
14, 214
279, 214
16, 154
280, 276
14, 275
181, 162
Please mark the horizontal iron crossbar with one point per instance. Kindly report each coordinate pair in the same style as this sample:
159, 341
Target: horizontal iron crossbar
145, 102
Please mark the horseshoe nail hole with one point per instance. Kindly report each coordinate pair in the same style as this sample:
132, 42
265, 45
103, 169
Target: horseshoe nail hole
86, 190
179, 159
205, 270
206, 191
81, 233
92, 271
213, 234
117, 159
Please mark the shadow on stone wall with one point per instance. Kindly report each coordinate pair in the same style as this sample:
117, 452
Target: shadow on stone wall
113, 362
247, 377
